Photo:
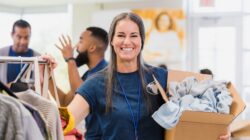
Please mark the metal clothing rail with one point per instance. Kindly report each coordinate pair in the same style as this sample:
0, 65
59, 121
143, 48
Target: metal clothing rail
19, 59
22, 60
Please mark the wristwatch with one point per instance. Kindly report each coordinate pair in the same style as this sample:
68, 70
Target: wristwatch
68, 59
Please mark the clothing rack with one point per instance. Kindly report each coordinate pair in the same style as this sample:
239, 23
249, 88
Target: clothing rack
22, 60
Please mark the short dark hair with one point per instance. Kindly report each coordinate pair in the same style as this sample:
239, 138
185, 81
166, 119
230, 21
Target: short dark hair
206, 71
99, 34
20, 23
163, 66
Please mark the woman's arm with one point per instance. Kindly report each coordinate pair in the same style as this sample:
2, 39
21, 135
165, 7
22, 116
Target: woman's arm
79, 107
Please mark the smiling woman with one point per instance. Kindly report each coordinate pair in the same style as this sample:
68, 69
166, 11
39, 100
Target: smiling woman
127, 42
117, 94
121, 87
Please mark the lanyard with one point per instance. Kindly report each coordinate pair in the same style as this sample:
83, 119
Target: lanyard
134, 118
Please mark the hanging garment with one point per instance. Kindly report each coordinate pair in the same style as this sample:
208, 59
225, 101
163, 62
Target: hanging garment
10, 122
4, 88
47, 108
19, 86
40, 121
24, 126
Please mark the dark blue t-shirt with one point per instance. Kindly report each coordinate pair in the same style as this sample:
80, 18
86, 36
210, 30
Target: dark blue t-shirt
118, 124
93, 128
14, 69
101, 65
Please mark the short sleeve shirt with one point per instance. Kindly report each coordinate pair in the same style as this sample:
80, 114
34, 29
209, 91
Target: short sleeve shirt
92, 125
118, 124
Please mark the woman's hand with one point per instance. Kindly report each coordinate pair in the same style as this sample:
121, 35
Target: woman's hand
51, 63
226, 136
50, 60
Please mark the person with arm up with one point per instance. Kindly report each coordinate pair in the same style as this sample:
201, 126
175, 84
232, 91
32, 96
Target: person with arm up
117, 95
91, 47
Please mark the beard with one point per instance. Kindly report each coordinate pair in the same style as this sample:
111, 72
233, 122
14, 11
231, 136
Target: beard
82, 58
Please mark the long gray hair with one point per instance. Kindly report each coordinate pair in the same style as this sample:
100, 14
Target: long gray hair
112, 67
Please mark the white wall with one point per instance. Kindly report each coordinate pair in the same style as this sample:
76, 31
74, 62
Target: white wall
10, 9
80, 18
144, 4
82, 13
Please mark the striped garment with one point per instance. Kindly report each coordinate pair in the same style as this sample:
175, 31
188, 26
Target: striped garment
47, 109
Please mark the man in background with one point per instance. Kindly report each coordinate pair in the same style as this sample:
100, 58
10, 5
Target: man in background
91, 47
21, 33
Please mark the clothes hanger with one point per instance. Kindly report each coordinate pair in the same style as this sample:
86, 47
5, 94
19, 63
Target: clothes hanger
35, 61
22, 72
8, 91
18, 85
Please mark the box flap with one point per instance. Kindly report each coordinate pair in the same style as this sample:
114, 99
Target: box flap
240, 129
238, 105
178, 76
206, 117
239, 125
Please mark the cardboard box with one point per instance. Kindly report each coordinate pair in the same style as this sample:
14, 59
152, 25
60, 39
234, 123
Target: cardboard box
202, 125
240, 129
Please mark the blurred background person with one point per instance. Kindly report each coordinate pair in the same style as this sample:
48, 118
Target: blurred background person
91, 47
21, 34
207, 71
163, 66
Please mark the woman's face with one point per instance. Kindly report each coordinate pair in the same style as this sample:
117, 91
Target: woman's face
126, 40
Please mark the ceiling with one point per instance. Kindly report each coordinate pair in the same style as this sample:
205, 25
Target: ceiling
35, 3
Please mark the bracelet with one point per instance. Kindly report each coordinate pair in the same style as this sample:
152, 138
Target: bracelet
68, 59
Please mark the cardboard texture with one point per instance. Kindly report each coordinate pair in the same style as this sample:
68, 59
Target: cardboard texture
240, 129
202, 125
